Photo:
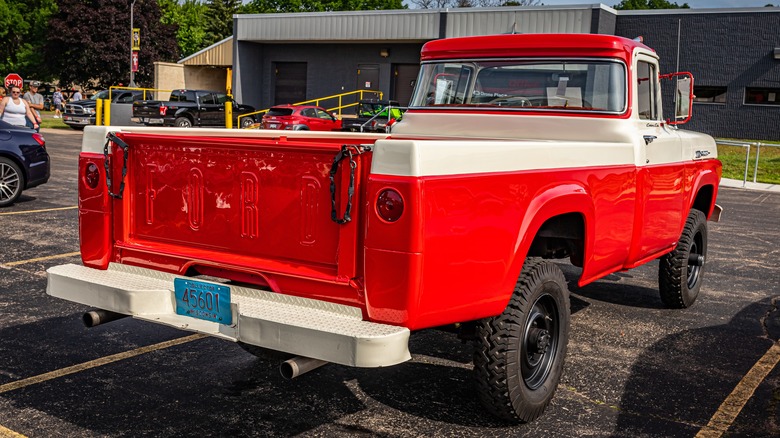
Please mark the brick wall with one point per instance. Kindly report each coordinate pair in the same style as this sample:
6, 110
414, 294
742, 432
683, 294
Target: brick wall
734, 50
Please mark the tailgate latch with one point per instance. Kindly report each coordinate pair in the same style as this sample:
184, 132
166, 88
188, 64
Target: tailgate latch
348, 151
111, 137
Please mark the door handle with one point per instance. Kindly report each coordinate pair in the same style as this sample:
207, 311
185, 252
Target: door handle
649, 139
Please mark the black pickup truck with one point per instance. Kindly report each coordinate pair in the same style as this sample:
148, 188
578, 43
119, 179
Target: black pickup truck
79, 114
188, 108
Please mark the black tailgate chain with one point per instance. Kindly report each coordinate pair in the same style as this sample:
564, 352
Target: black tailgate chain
347, 151
111, 137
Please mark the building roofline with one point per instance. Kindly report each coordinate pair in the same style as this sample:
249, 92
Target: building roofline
699, 11
183, 60
428, 11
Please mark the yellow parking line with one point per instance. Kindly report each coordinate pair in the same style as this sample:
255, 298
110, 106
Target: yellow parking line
731, 407
39, 211
40, 259
8, 433
96, 363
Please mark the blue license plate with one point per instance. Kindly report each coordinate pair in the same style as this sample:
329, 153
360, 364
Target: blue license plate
203, 300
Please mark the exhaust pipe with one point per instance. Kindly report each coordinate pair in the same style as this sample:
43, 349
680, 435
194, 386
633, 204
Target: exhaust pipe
95, 317
298, 365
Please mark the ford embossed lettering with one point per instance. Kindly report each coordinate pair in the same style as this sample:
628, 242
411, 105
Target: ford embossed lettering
203, 300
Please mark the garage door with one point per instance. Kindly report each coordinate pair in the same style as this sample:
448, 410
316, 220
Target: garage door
290, 82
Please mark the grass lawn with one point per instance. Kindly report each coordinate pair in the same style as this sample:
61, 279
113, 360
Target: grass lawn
48, 122
733, 158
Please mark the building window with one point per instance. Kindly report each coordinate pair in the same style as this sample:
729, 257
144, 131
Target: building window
709, 94
762, 96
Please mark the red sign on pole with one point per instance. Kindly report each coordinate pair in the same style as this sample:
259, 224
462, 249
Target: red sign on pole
13, 80
135, 61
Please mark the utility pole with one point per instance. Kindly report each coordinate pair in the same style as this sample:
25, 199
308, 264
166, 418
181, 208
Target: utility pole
132, 74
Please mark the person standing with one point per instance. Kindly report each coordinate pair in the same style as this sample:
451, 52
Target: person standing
76, 96
57, 100
34, 100
15, 110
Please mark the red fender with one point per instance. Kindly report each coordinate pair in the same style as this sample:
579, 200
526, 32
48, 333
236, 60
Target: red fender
554, 201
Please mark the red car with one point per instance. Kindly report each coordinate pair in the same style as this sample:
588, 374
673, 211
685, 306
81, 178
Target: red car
300, 118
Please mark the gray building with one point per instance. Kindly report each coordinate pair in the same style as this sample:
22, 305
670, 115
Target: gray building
734, 55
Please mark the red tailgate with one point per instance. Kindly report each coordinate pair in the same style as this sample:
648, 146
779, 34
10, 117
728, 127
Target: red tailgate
256, 210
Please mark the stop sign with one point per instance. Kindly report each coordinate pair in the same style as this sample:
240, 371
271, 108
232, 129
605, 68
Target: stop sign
13, 80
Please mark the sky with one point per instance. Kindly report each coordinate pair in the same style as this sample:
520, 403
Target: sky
691, 3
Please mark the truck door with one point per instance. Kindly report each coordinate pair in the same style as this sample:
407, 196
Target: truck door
660, 170
210, 110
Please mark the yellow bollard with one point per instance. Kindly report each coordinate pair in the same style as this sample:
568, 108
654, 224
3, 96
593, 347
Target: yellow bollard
107, 108
229, 114
99, 112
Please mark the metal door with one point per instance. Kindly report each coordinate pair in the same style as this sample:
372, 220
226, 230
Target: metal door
405, 76
290, 82
368, 77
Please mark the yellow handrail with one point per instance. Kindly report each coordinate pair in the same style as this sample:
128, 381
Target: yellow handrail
316, 102
106, 115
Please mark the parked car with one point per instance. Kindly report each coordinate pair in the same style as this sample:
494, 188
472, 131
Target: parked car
188, 108
81, 113
24, 162
372, 116
300, 118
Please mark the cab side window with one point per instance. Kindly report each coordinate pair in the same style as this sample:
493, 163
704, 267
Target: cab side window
647, 90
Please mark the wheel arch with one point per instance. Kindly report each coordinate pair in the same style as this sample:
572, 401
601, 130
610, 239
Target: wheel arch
545, 228
705, 192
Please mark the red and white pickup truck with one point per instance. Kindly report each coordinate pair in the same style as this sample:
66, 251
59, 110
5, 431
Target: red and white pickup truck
335, 247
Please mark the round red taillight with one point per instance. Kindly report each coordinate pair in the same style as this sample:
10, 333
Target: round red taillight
390, 205
92, 175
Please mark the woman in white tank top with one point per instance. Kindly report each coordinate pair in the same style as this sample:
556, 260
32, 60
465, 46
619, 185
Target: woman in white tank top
13, 109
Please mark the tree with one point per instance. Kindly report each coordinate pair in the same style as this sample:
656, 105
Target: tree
219, 19
190, 16
93, 49
22, 33
650, 4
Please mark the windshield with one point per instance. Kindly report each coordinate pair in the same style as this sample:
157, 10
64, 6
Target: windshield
99, 95
578, 85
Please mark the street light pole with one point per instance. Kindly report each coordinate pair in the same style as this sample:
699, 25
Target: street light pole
132, 74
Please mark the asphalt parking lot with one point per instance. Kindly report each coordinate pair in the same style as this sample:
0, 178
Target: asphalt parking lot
633, 368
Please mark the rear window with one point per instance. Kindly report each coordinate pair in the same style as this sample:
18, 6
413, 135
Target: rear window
280, 112
179, 96
560, 85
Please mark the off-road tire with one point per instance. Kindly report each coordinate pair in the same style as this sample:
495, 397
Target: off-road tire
679, 272
182, 122
514, 382
11, 182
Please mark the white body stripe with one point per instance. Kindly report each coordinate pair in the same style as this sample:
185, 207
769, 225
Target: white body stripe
457, 157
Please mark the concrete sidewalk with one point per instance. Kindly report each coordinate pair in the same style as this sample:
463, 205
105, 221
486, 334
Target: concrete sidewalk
724, 182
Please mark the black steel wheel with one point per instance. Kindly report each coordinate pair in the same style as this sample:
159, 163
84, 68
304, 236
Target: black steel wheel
680, 272
519, 356
11, 182
183, 122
